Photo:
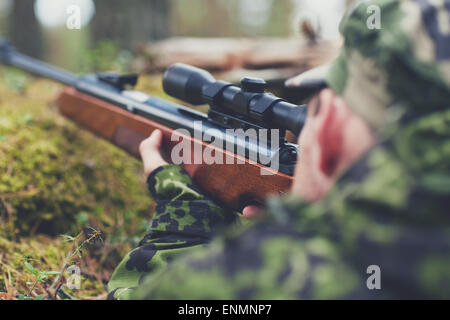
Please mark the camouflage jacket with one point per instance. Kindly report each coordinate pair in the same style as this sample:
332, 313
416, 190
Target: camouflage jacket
382, 232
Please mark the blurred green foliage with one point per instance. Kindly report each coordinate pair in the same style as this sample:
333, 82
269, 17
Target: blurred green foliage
15, 79
105, 56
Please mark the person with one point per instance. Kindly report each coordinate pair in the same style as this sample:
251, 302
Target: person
368, 214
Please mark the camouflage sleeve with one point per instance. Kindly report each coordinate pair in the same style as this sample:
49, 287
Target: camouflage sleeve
264, 261
381, 233
184, 218
314, 256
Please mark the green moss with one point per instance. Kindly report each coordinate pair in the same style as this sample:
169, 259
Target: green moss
54, 170
57, 178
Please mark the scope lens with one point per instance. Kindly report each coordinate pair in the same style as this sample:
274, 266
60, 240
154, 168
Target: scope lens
186, 83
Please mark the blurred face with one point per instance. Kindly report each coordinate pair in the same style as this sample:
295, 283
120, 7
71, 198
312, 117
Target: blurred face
332, 139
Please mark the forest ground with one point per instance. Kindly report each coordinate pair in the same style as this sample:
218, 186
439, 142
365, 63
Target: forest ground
66, 196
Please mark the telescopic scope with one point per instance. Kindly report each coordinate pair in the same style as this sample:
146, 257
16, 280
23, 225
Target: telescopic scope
249, 101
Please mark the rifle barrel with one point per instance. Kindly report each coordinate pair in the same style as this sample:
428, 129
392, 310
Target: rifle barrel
9, 56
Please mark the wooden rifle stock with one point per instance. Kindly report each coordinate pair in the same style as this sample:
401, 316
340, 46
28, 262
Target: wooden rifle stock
231, 185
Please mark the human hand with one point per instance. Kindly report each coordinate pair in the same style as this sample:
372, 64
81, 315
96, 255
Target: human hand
252, 212
150, 150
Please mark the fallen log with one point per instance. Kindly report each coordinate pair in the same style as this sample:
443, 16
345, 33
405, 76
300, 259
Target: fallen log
225, 54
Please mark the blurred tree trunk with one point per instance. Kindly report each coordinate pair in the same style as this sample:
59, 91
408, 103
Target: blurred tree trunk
130, 22
24, 29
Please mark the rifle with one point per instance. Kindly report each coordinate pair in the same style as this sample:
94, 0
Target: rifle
104, 104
